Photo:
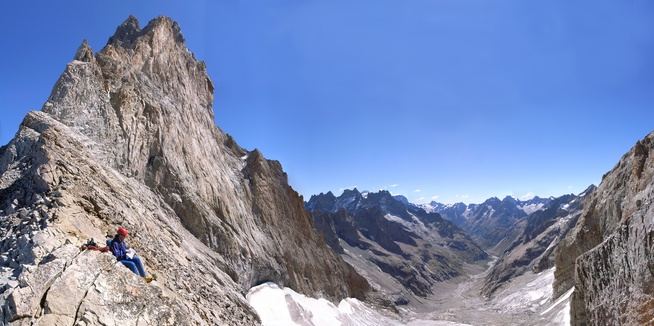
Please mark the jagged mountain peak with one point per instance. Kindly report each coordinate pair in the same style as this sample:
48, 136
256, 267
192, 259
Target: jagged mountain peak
402, 199
352, 200
144, 91
492, 200
588, 190
126, 32
327, 194
322, 202
129, 31
380, 195
84, 53
351, 192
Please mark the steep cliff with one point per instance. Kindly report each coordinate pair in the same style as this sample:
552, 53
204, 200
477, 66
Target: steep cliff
127, 138
608, 257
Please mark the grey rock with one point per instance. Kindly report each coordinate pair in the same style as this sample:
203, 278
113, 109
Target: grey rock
84, 53
607, 257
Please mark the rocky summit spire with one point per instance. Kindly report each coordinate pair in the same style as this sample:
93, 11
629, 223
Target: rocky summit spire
129, 139
84, 53
140, 71
126, 32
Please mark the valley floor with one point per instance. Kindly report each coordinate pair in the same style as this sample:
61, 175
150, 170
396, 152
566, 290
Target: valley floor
525, 301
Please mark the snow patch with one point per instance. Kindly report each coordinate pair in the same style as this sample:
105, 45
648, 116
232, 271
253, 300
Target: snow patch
534, 294
562, 298
394, 218
529, 294
530, 208
277, 307
428, 208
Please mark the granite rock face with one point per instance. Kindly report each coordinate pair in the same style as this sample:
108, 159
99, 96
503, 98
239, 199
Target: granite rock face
608, 259
127, 138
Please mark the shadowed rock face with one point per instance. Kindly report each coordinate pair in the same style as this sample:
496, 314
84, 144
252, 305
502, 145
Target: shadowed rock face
608, 256
127, 138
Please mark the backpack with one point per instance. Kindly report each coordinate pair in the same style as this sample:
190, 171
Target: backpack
91, 245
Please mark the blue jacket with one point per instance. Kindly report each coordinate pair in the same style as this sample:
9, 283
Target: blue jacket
118, 248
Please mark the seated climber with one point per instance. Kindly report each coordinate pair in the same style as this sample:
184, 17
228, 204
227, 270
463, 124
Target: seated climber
119, 249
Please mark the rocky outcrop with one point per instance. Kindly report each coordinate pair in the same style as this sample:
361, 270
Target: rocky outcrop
415, 248
608, 256
56, 195
127, 138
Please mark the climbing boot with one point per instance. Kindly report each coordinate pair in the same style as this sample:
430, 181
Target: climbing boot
150, 278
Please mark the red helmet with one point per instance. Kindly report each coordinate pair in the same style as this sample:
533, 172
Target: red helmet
122, 231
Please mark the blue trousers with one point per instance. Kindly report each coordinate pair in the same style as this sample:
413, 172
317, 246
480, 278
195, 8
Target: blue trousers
135, 265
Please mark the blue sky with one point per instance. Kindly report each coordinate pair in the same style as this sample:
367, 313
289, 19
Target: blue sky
452, 100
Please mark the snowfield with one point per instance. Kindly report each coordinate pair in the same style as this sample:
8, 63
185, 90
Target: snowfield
527, 300
285, 307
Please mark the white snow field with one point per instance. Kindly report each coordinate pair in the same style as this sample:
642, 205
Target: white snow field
285, 307
527, 300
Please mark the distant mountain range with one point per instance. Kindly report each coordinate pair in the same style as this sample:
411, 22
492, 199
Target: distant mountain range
533, 240
489, 223
375, 232
437, 239
459, 213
